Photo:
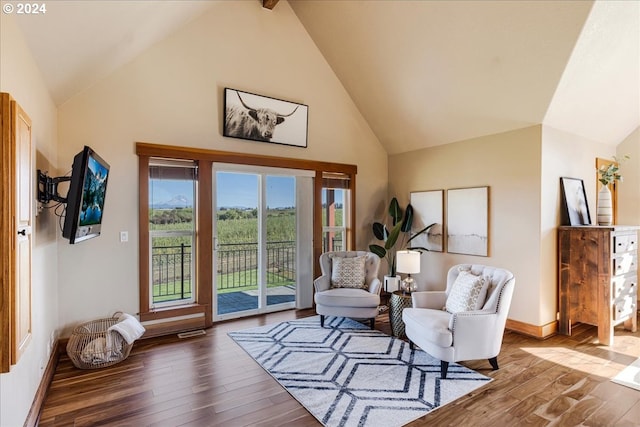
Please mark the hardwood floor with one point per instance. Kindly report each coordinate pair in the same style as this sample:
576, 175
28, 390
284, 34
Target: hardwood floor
210, 381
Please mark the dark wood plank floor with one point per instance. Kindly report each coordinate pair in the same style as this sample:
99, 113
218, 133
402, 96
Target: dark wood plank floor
210, 381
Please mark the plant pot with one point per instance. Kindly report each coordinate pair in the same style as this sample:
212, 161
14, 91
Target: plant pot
391, 283
605, 206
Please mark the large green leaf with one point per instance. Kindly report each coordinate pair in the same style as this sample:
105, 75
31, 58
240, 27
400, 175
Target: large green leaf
394, 211
380, 231
408, 219
393, 236
378, 250
421, 231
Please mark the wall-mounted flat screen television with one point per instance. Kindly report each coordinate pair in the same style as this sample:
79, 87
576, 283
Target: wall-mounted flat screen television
85, 199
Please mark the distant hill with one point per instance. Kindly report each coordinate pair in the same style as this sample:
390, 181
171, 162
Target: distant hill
176, 202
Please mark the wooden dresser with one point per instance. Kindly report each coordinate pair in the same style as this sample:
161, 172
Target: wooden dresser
598, 278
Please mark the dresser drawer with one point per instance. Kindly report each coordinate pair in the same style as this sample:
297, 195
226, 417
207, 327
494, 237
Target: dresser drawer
625, 243
625, 263
625, 285
624, 307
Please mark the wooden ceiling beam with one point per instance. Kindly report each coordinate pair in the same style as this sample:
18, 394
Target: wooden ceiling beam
269, 4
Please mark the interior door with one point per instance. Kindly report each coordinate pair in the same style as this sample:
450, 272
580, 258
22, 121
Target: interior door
16, 198
24, 193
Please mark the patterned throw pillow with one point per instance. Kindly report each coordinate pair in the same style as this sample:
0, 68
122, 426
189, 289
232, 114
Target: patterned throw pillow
467, 293
348, 272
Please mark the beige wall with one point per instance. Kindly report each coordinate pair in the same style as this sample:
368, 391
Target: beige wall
522, 169
563, 154
20, 77
172, 94
509, 163
629, 189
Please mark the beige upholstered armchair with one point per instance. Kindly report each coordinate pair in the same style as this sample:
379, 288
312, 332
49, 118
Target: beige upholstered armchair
349, 286
467, 320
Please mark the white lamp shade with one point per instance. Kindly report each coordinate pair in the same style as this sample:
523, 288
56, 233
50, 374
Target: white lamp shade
408, 262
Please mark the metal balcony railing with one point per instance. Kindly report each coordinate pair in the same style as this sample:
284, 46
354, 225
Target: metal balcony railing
237, 268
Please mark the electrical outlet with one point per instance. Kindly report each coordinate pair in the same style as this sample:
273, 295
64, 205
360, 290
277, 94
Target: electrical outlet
124, 236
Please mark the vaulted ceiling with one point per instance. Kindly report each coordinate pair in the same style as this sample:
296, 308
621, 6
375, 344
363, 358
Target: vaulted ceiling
426, 73
423, 73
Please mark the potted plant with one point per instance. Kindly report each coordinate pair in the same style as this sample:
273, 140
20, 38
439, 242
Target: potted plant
400, 234
608, 174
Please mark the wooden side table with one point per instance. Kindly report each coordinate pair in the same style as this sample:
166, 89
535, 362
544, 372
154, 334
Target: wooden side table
398, 302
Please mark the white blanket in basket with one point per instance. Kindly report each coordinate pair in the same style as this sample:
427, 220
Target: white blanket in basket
128, 327
110, 347
103, 349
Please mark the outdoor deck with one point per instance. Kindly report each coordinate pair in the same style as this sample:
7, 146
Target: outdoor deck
232, 302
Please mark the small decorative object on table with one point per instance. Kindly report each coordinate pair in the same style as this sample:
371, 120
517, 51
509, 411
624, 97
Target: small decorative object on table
391, 284
408, 262
608, 175
398, 302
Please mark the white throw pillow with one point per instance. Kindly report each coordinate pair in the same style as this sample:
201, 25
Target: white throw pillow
348, 272
467, 293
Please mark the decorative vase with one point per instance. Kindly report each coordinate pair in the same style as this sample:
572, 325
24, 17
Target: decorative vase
391, 283
605, 207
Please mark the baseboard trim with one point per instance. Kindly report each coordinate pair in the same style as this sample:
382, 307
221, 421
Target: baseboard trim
38, 401
540, 332
172, 327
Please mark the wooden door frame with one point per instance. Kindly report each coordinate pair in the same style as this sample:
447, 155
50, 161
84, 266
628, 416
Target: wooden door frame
205, 159
7, 228
10, 348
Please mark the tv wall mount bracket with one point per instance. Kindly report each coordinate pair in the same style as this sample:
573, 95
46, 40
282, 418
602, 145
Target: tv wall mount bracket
48, 187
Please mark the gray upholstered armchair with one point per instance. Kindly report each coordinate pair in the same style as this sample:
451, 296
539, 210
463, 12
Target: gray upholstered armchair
349, 285
467, 320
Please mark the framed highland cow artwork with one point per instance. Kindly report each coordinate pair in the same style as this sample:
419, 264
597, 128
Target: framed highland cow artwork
261, 118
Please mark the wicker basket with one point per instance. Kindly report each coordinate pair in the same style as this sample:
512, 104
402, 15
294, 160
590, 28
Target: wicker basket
92, 346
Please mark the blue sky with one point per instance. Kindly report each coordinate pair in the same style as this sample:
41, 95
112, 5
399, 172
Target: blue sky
241, 190
232, 189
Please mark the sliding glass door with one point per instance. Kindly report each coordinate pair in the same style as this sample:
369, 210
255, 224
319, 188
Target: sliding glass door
256, 241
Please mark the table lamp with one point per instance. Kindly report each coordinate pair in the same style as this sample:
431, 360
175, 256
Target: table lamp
408, 262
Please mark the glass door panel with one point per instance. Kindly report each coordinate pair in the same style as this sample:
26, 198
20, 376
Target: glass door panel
236, 242
281, 239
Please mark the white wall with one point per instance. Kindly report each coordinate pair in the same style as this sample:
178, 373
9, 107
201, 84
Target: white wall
509, 163
20, 77
629, 189
172, 94
568, 155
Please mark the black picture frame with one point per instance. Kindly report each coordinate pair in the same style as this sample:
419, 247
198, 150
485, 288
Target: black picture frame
261, 118
575, 209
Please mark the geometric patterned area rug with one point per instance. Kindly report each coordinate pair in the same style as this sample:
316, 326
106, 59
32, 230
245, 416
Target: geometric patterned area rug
346, 374
629, 376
